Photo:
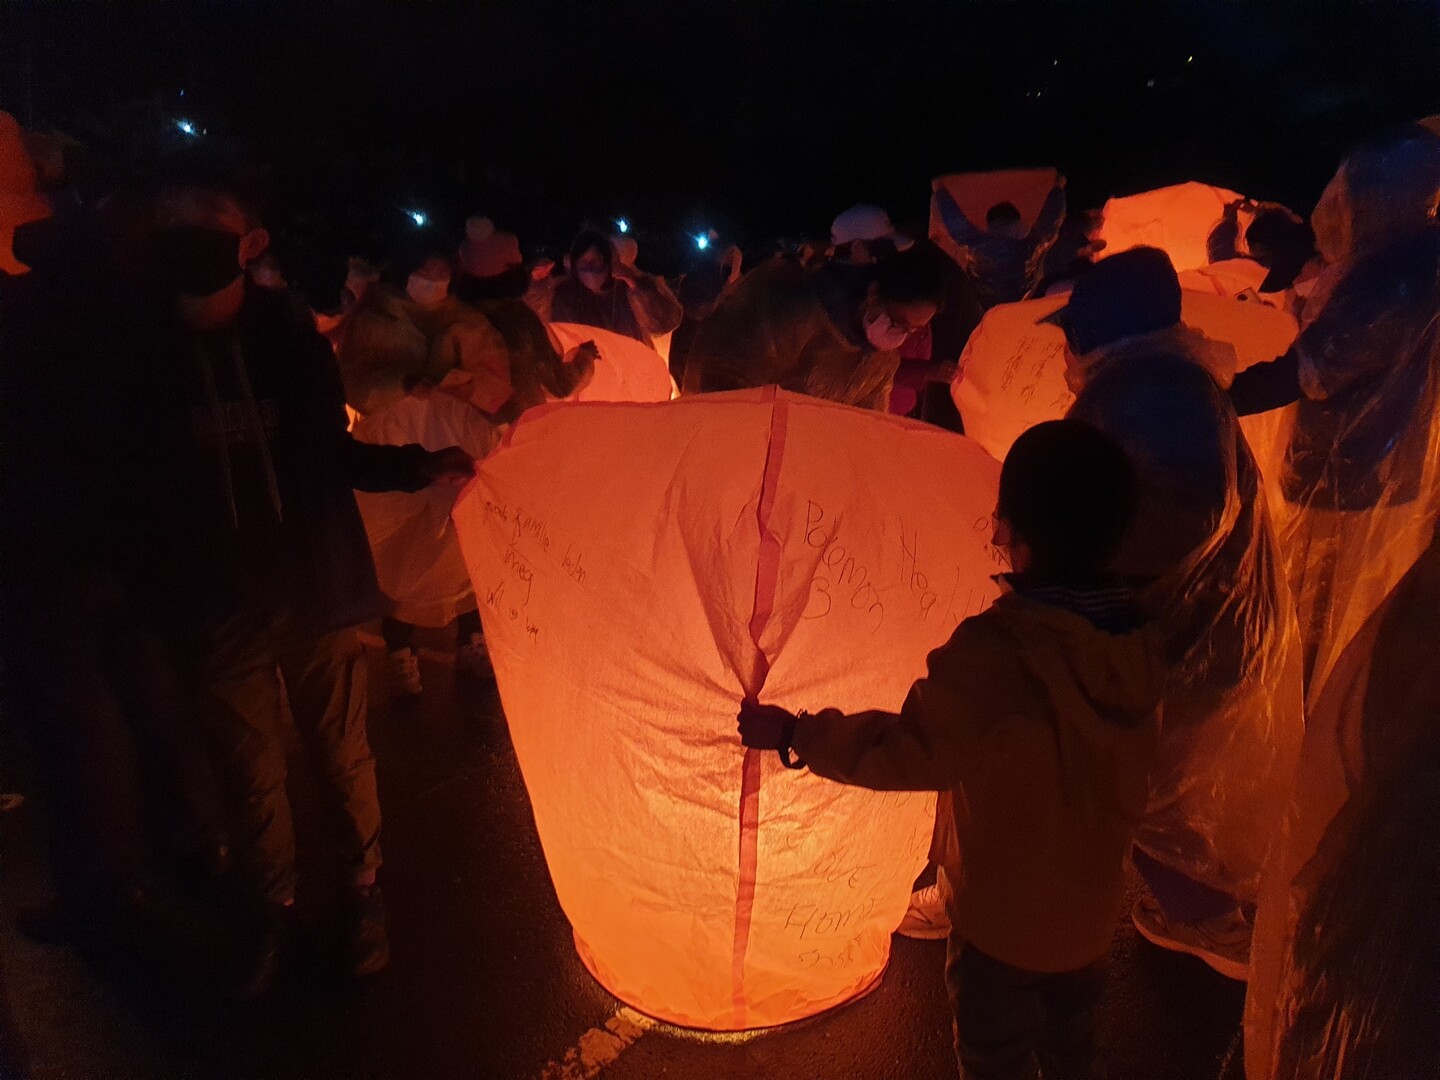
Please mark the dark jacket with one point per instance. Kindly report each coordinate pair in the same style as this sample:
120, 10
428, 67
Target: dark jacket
124, 460
1043, 729
303, 554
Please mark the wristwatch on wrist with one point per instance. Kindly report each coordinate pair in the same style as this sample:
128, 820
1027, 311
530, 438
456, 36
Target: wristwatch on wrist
786, 751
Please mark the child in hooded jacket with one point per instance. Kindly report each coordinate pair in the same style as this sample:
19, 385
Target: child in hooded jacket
1039, 720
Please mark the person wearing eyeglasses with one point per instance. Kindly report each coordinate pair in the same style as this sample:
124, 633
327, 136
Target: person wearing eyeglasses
832, 332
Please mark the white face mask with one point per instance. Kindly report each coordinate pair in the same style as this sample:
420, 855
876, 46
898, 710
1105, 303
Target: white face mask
594, 280
884, 334
358, 284
427, 292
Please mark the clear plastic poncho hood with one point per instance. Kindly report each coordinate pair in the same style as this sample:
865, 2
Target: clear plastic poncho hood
1345, 961
1361, 473
1232, 718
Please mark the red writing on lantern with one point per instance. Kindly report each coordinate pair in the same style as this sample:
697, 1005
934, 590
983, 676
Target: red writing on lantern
911, 576
812, 921
814, 958
574, 565
842, 579
520, 570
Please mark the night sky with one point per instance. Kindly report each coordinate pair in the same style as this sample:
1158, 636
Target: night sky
761, 119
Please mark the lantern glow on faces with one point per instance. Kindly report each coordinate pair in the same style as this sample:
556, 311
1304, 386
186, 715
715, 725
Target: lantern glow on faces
643, 568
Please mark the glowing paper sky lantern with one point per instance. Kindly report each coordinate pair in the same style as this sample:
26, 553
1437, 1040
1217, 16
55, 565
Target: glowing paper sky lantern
1178, 220
1012, 372
627, 369
411, 535
640, 570
20, 204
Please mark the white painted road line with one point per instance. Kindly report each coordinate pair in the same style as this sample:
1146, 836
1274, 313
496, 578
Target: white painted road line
599, 1047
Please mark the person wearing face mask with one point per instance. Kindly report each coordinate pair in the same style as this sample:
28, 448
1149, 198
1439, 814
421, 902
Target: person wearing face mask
413, 333
123, 774
832, 332
603, 291
232, 418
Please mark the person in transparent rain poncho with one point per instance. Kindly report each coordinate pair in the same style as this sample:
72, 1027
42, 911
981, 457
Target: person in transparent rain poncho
1340, 983
1361, 468
1345, 979
1205, 551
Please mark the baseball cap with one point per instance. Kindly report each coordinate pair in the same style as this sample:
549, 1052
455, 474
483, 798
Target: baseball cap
1134, 292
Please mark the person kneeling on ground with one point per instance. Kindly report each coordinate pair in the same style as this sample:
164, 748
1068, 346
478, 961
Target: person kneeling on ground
1039, 716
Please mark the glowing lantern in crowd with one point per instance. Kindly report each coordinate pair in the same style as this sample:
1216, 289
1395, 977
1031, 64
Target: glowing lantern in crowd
1178, 220
411, 535
975, 193
19, 201
1012, 372
643, 568
628, 370
1228, 277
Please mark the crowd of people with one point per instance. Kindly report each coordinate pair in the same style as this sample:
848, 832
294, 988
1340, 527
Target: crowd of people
200, 485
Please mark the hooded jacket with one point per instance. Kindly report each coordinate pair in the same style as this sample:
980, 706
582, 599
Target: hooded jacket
1043, 728
1203, 535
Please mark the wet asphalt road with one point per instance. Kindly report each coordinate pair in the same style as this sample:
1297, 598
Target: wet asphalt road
485, 981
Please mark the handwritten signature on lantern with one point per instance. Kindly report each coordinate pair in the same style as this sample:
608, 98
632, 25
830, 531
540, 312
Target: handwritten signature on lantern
812, 921
841, 572
848, 573
521, 569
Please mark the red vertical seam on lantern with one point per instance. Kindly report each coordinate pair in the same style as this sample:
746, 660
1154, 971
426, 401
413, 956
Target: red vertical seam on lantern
767, 577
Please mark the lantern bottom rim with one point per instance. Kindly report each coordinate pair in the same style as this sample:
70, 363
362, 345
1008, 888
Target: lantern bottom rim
690, 1027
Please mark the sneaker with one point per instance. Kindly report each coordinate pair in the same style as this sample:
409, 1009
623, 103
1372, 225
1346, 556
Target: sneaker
473, 657
405, 670
1222, 942
367, 944
927, 919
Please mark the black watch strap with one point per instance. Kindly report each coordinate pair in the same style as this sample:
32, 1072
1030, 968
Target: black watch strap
787, 752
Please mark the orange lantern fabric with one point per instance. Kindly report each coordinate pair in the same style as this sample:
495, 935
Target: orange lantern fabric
412, 539
1229, 277
1177, 219
627, 370
643, 568
20, 203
